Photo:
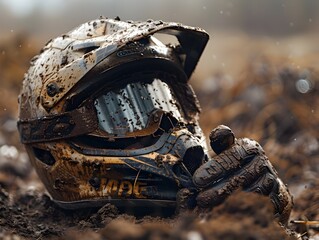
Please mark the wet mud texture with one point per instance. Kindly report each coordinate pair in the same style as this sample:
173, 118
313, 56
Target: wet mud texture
32, 215
263, 104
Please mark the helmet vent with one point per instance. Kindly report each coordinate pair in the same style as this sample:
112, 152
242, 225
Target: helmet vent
44, 156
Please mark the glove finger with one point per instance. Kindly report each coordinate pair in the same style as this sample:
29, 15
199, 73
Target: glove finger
216, 195
244, 177
226, 163
272, 186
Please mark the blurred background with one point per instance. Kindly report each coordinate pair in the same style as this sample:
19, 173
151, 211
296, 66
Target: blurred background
271, 22
259, 74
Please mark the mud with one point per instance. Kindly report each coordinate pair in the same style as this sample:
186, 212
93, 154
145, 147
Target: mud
32, 215
263, 104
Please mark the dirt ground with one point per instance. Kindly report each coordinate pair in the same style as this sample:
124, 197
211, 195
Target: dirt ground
274, 100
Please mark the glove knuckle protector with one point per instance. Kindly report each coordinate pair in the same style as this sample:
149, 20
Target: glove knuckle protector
226, 163
242, 165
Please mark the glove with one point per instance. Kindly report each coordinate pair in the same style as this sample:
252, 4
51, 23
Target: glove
240, 163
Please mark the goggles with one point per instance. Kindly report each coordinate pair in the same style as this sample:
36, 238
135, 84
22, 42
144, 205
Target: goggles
130, 109
141, 108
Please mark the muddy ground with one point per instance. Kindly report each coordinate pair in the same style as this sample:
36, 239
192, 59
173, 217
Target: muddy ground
274, 100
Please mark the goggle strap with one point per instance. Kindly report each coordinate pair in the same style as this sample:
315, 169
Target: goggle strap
69, 124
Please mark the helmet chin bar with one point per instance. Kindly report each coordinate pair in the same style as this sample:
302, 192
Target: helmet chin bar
142, 179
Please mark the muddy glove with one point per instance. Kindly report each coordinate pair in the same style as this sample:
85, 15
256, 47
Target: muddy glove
240, 163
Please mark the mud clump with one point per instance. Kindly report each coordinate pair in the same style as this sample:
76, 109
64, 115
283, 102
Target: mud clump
34, 215
26, 215
244, 216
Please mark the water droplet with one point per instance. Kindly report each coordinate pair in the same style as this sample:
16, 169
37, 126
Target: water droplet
310, 20
10, 125
11, 30
8, 151
221, 12
291, 24
192, 235
303, 85
204, 7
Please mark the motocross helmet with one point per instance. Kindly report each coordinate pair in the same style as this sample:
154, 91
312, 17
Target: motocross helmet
107, 114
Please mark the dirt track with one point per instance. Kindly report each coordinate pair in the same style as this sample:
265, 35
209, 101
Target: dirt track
263, 104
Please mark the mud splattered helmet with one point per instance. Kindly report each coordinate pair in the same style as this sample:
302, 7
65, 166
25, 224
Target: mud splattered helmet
107, 114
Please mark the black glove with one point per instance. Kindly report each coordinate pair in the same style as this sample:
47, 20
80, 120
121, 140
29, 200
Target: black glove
240, 163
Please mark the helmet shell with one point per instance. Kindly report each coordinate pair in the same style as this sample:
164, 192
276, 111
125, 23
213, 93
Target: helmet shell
64, 69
